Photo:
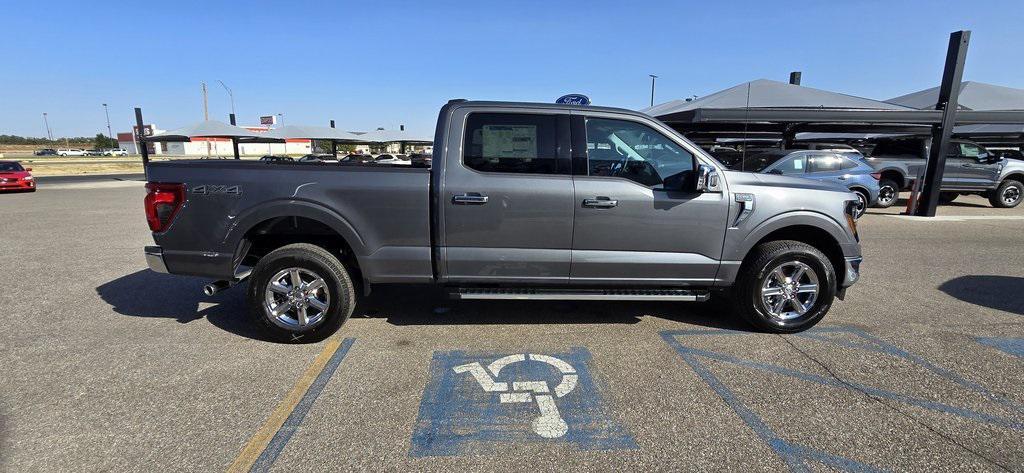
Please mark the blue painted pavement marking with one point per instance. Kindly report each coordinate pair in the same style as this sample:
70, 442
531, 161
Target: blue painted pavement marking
1013, 346
474, 403
277, 444
796, 455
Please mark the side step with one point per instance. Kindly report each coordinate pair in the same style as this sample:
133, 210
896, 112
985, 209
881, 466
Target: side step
690, 295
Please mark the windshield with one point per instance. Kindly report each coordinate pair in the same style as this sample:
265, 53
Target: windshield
9, 167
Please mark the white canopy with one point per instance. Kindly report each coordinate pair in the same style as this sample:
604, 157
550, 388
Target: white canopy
393, 136
311, 133
206, 129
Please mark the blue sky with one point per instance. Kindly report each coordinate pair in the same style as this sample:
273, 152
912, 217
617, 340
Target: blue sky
370, 64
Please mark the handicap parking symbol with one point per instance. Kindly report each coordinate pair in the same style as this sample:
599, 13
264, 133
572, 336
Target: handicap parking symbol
475, 402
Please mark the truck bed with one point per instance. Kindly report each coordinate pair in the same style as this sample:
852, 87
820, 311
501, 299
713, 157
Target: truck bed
386, 213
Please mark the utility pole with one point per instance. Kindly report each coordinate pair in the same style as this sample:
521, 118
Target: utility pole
49, 134
230, 95
794, 77
206, 115
653, 77
106, 112
280, 117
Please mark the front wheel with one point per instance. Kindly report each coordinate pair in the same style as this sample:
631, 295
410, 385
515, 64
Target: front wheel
862, 203
888, 193
785, 287
300, 293
1008, 195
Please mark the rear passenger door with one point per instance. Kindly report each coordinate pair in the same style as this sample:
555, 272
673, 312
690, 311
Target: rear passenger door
828, 167
508, 198
974, 169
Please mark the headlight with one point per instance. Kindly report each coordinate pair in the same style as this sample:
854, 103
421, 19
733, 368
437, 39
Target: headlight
29, 178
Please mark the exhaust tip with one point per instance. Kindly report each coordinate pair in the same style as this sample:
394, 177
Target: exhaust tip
215, 287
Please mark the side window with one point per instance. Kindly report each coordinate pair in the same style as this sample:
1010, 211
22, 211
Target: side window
636, 152
848, 163
824, 163
968, 150
794, 165
511, 142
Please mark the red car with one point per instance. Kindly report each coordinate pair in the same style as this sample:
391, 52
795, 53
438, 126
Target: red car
13, 177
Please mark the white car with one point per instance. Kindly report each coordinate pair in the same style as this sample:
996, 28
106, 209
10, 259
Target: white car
392, 159
71, 152
115, 152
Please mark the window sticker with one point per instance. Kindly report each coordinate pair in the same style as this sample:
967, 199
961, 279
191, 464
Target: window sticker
798, 164
510, 141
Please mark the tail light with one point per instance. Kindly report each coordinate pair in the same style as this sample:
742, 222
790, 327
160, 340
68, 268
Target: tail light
876, 175
162, 203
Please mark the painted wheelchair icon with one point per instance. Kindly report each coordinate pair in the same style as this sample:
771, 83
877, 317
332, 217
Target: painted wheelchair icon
550, 423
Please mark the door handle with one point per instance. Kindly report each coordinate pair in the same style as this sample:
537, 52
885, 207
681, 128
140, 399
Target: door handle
472, 198
600, 203
966, 166
841, 178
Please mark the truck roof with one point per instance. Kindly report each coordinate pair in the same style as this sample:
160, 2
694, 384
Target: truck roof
554, 106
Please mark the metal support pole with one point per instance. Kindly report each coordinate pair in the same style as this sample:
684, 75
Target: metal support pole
140, 136
949, 92
794, 77
334, 144
653, 77
234, 140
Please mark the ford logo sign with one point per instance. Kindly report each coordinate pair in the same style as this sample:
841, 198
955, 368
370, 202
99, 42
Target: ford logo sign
573, 99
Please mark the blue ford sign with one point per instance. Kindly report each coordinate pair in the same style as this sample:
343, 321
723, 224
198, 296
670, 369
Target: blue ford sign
573, 99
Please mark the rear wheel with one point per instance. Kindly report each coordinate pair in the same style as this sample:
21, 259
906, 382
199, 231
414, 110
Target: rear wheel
888, 193
786, 287
300, 293
1008, 194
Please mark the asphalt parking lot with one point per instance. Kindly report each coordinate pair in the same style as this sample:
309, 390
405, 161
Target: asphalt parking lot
108, 366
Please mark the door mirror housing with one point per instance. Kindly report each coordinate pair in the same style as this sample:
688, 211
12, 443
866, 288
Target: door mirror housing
707, 179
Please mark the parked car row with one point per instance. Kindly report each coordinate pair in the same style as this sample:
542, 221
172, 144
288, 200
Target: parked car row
81, 152
891, 168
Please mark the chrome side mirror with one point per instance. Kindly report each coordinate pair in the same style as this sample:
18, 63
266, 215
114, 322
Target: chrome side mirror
707, 179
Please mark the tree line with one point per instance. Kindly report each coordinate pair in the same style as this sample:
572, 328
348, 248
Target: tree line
99, 141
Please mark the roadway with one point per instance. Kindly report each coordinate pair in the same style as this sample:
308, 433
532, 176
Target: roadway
108, 366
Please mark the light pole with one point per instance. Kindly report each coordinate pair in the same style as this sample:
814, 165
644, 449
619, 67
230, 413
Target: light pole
653, 77
230, 95
107, 113
49, 135
280, 118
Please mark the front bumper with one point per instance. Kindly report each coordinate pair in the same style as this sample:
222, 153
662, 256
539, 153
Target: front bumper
20, 185
852, 271
155, 259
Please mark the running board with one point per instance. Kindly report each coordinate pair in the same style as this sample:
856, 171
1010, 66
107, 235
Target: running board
690, 295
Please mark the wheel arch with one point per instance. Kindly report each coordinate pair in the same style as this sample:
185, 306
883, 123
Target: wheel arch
817, 230
279, 223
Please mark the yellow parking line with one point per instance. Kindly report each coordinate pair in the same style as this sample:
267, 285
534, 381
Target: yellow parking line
259, 441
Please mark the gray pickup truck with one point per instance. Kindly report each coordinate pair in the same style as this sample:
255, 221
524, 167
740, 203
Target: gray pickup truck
970, 169
523, 201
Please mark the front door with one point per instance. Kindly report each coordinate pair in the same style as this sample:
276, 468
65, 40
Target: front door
973, 169
508, 201
630, 229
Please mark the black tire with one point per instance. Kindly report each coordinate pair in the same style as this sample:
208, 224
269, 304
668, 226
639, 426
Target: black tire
864, 200
947, 197
888, 193
748, 299
313, 260
1007, 195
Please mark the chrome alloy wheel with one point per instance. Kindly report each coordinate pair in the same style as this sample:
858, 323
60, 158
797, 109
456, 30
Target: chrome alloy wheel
1010, 195
790, 290
296, 298
887, 194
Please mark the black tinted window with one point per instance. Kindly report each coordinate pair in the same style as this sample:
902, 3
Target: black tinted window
511, 142
635, 152
11, 167
897, 147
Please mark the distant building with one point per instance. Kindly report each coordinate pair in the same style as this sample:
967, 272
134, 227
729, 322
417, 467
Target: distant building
213, 146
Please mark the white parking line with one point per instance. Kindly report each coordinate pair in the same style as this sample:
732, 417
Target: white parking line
91, 185
957, 218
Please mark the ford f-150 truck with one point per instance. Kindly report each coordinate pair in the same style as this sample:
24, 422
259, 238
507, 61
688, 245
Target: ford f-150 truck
523, 201
970, 169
